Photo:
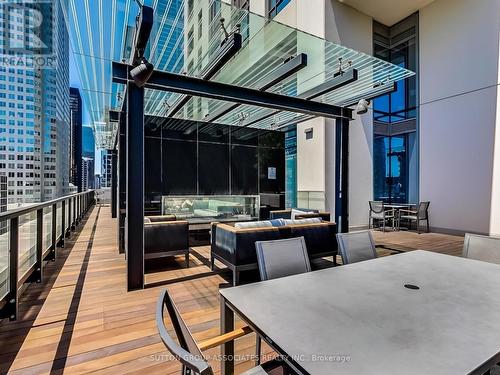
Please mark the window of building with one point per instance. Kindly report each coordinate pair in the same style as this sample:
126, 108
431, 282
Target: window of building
395, 144
276, 6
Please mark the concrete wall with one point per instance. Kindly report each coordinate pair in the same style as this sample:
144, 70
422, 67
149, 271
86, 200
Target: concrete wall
316, 157
350, 28
459, 52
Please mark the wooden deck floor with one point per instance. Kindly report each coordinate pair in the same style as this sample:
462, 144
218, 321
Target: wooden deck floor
81, 319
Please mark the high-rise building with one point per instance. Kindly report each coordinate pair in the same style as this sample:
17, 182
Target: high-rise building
106, 161
3, 194
88, 151
75, 107
87, 173
34, 111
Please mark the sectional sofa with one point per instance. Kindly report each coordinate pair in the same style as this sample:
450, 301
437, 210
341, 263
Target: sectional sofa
234, 246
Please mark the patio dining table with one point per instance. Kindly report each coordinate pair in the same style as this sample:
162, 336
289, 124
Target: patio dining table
413, 313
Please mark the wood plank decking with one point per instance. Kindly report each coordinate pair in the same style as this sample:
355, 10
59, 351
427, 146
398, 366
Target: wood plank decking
81, 318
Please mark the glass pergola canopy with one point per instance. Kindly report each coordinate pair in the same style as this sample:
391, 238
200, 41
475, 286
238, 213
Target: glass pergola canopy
186, 38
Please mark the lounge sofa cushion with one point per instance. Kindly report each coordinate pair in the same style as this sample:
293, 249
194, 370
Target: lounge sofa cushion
260, 224
298, 212
303, 221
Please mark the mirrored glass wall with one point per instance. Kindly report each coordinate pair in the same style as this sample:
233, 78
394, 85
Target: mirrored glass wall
395, 120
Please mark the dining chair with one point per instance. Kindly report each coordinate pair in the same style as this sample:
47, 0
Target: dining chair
280, 258
483, 248
190, 354
379, 212
356, 247
418, 215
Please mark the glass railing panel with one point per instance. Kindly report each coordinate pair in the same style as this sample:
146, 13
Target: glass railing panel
27, 242
67, 222
4, 258
59, 220
47, 228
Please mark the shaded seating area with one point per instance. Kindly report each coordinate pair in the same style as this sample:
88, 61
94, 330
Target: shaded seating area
234, 246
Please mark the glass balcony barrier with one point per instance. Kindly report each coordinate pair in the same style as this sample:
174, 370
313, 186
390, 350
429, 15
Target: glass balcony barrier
29, 236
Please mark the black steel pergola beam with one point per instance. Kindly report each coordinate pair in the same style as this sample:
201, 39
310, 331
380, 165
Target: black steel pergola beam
165, 81
224, 53
288, 68
337, 82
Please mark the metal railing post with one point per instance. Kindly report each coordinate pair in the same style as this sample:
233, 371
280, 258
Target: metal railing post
54, 233
68, 229
63, 223
13, 297
38, 274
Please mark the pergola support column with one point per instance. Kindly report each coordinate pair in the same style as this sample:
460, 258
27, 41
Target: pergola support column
342, 174
134, 222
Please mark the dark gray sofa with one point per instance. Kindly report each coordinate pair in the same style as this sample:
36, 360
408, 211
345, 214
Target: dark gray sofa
235, 247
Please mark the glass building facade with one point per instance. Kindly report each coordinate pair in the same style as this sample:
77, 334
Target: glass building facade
34, 113
395, 120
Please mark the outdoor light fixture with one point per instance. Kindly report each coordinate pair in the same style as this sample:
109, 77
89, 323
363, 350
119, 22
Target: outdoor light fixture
362, 106
142, 72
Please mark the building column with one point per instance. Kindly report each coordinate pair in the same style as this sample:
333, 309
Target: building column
134, 222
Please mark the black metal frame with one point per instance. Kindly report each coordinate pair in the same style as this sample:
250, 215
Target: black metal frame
166, 81
134, 221
9, 305
342, 175
337, 82
286, 70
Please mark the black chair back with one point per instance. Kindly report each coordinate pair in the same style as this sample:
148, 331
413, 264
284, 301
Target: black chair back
185, 350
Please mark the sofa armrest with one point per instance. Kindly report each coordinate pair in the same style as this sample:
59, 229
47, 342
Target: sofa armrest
161, 218
237, 245
325, 216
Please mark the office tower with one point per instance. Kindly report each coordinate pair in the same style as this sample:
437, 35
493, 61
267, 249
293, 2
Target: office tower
34, 110
75, 106
106, 158
87, 173
88, 151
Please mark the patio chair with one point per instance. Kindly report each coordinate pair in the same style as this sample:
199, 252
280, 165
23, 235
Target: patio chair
418, 215
380, 213
356, 247
483, 248
280, 258
187, 351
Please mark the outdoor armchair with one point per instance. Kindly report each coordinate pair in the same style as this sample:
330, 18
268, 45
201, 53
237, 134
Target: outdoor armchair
418, 215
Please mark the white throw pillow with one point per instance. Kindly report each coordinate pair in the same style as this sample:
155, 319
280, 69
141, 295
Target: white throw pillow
298, 212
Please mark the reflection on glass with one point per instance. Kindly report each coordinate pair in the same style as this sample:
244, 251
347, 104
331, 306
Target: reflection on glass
59, 219
205, 209
4, 258
47, 227
27, 242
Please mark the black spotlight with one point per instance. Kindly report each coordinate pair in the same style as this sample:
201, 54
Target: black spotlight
142, 72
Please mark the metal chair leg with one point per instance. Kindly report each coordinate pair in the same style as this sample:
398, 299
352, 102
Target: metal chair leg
258, 346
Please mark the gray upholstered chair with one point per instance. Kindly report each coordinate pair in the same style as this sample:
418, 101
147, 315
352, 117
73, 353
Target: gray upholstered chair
356, 247
482, 248
418, 215
280, 258
378, 212
187, 351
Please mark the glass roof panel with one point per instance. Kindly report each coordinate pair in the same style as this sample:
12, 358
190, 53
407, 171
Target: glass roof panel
186, 41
